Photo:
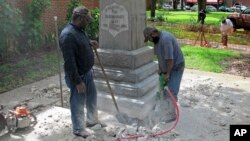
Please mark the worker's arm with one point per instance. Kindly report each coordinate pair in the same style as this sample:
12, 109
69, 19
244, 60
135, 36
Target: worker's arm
69, 48
170, 64
160, 70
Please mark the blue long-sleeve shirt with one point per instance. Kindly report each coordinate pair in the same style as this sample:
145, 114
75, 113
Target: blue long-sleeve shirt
77, 52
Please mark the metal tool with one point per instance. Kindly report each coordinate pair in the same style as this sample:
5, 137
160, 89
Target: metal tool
58, 56
121, 117
107, 81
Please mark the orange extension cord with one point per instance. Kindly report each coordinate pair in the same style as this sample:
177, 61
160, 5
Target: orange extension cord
157, 134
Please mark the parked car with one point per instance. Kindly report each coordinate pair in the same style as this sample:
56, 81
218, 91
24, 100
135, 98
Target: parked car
185, 7
167, 6
194, 7
225, 9
209, 8
241, 20
243, 7
238, 8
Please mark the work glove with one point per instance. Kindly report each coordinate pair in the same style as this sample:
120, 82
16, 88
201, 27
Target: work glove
162, 81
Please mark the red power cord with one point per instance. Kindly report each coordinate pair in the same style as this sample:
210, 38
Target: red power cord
157, 134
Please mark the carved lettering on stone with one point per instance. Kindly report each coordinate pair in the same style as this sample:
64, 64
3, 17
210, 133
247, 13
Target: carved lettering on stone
114, 19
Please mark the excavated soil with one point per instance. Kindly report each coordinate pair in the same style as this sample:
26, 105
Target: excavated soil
239, 65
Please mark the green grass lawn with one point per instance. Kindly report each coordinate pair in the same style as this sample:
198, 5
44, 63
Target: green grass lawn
180, 20
26, 71
189, 17
29, 70
181, 33
206, 59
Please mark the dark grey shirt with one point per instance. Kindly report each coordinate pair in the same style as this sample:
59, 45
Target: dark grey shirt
77, 53
168, 48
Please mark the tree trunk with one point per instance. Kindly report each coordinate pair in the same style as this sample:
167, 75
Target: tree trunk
201, 5
218, 4
153, 7
175, 2
182, 4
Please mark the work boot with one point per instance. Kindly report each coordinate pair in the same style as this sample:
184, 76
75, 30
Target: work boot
89, 125
83, 134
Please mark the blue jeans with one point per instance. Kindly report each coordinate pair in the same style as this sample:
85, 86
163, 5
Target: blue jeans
175, 80
77, 102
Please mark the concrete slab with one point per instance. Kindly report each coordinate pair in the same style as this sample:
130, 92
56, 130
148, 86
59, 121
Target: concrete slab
54, 124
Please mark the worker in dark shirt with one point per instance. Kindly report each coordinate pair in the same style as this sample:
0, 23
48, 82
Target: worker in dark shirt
78, 62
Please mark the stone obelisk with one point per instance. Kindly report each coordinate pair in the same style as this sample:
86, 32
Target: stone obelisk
128, 62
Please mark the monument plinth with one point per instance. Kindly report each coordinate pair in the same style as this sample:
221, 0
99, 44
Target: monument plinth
127, 61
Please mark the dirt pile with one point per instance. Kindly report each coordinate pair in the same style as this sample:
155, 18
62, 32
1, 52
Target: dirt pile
239, 66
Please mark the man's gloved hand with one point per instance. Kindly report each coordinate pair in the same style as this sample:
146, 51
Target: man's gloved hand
163, 82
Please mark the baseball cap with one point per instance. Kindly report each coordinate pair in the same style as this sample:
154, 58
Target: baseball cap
80, 10
147, 32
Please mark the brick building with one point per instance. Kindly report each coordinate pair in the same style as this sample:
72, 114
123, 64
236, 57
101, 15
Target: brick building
58, 8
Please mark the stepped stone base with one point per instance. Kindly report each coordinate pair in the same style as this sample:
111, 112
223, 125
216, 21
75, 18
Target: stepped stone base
133, 107
133, 90
127, 75
125, 59
133, 79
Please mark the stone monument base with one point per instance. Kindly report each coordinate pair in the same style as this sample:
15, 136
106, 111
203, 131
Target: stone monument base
133, 107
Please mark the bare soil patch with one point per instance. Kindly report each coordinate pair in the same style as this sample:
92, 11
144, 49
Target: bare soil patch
239, 65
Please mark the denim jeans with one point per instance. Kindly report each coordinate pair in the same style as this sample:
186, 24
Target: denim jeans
77, 102
175, 80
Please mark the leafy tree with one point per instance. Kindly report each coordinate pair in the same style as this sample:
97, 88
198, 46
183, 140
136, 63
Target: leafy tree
10, 27
93, 28
34, 26
73, 4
